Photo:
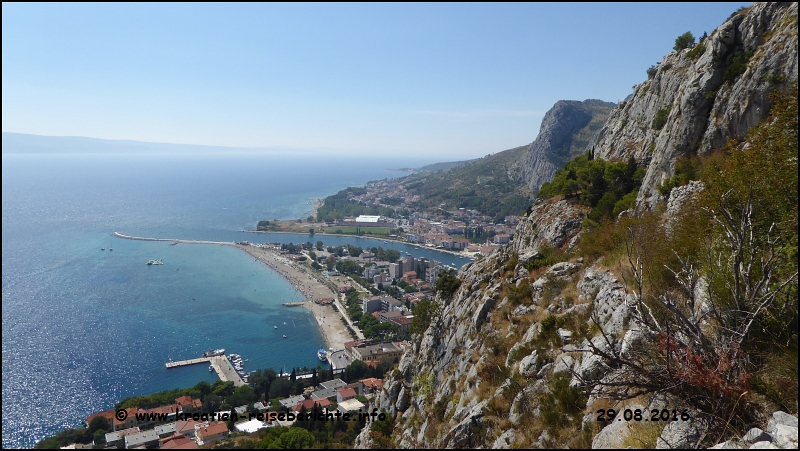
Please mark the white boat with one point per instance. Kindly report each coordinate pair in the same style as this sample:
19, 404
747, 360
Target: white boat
210, 368
284, 336
276, 327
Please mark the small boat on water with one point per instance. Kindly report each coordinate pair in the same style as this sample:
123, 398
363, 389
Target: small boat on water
102, 248
210, 368
155, 262
322, 355
276, 327
284, 336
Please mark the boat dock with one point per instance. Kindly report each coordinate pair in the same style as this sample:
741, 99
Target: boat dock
222, 366
293, 304
188, 362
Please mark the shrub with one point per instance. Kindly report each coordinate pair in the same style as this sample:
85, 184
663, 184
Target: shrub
651, 71
626, 203
737, 67
695, 53
518, 294
661, 118
447, 284
549, 323
563, 404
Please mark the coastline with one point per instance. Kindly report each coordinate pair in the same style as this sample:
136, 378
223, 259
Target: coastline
333, 331
329, 321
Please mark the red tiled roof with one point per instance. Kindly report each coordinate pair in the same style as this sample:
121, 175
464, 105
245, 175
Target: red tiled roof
184, 400
108, 414
309, 404
401, 320
187, 425
214, 428
177, 441
347, 392
163, 409
372, 382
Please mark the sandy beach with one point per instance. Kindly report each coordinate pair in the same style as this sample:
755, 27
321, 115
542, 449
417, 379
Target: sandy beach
305, 281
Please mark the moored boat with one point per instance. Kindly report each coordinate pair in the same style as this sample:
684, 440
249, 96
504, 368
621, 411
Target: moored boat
213, 353
322, 355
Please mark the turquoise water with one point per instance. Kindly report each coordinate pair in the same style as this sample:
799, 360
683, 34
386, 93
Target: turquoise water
84, 328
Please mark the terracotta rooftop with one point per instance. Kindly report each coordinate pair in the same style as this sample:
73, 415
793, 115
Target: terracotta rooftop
347, 392
372, 382
214, 428
309, 404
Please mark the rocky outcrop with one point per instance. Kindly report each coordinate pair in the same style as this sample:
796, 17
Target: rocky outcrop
566, 130
695, 102
550, 224
781, 433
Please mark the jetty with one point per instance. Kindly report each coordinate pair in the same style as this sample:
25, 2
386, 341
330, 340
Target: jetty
188, 362
222, 366
140, 238
293, 304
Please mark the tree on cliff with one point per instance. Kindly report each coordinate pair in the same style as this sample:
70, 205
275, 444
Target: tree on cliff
684, 41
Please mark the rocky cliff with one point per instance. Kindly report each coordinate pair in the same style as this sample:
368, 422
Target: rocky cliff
566, 130
504, 363
698, 98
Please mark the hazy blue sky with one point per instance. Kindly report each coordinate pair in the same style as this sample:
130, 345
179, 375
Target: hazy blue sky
456, 80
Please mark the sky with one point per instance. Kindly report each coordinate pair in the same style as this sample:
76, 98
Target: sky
452, 80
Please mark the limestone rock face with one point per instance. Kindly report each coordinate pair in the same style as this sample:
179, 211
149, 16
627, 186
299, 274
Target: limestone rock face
682, 194
701, 109
551, 224
566, 129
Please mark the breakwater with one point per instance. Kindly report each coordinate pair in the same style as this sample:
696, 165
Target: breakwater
139, 238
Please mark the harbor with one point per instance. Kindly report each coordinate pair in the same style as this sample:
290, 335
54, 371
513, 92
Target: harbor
219, 363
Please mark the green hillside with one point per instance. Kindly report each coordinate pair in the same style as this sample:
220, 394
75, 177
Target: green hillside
482, 184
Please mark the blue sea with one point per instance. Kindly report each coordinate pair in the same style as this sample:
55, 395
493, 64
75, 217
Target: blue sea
85, 328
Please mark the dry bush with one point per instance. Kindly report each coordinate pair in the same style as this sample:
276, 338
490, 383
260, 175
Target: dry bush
643, 435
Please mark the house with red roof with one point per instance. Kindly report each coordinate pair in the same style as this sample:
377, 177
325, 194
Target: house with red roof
207, 433
345, 393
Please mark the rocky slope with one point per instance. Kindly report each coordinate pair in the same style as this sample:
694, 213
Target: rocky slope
707, 94
497, 367
566, 130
